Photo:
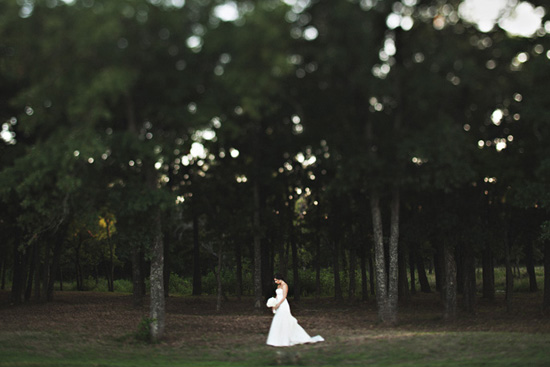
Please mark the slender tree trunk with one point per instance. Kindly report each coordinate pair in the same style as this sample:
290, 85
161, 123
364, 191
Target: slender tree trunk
37, 273
318, 268
78, 267
352, 264
257, 249
4, 266
336, 268
111, 274
509, 274
58, 246
546, 298
488, 273
219, 278
393, 289
167, 270
157, 306
137, 296
530, 265
450, 282
197, 277
32, 267
379, 258
18, 281
439, 268
46, 268
371, 276
403, 293
364, 280
412, 257
469, 276
422, 277
459, 259
239, 275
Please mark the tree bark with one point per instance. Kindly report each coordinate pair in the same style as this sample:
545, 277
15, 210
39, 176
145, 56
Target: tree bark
364, 280
546, 298
197, 278
219, 278
422, 277
111, 274
137, 296
439, 267
530, 265
509, 274
469, 277
487, 264
450, 282
412, 256
58, 246
257, 249
32, 270
336, 270
393, 288
239, 275
379, 258
318, 267
352, 264
157, 307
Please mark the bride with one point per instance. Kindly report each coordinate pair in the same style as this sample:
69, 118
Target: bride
285, 330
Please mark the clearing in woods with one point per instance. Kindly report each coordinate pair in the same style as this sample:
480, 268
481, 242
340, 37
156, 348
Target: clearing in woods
99, 329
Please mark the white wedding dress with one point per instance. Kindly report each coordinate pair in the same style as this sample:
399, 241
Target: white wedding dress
285, 330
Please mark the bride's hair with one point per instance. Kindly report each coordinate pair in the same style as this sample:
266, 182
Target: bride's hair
279, 276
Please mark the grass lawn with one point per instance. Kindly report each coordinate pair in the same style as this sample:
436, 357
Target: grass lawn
98, 329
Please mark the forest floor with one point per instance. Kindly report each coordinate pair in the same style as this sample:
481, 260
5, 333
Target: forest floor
99, 329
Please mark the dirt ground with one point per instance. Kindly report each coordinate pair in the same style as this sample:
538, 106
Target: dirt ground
194, 321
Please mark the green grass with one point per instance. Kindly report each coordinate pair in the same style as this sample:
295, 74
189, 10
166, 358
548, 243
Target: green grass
372, 347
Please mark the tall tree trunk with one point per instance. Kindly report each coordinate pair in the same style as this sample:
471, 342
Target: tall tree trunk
219, 278
412, 257
393, 276
379, 258
530, 265
46, 269
364, 280
439, 267
137, 296
19, 271
32, 267
371, 276
488, 275
352, 285
422, 277
469, 276
257, 249
336, 269
239, 275
546, 298
157, 306
4, 266
509, 274
37, 273
450, 282
197, 277
318, 267
78, 266
403, 292
166, 270
111, 274
59, 238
